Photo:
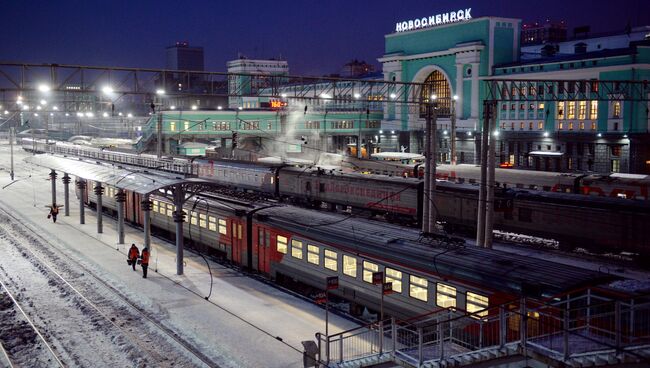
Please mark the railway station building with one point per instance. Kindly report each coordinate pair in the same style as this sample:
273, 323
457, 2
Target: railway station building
454, 56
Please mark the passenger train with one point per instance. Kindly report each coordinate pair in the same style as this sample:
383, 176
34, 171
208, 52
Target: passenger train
616, 185
295, 246
596, 223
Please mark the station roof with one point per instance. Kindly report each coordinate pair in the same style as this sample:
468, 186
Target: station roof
136, 179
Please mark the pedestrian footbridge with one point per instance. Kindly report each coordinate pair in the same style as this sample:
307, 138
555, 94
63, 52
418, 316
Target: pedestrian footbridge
577, 330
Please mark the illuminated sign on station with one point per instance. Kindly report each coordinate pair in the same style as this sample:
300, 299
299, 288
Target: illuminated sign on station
434, 20
276, 104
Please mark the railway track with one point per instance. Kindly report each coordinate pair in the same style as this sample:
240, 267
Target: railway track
99, 319
17, 329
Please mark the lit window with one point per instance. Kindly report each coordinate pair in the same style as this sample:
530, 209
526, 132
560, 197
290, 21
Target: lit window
395, 277
172, 126
560, 110
418, 288
223, 228
193, 218
313, 254
368, 269
202, 220
540, 125
593, 126
617, 110
282, 244
582, 110
349, 266
331, 260
212, 223
477, 303
593, 110
521, 125
540, 106
560, 125
582, 125
571, 110
186, 125
155, 206
530, 126
571, 125
296, 249
445, 296
170, 209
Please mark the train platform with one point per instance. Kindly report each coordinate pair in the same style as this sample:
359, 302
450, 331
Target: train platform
245, 322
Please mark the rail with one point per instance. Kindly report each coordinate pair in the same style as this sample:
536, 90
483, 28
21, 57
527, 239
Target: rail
572, 329
173, 165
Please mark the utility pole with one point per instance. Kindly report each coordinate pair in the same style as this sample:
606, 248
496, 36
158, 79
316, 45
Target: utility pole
159, 135
429, 211
453, 130
11, 144
482, 205
489, 204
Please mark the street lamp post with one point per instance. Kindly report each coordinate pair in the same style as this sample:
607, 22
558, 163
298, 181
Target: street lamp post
453, 130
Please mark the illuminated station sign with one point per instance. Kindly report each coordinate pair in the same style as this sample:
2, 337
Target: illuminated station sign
274, 104
434, 20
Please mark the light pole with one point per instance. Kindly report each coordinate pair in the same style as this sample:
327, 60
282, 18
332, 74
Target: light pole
453, 130
429, 210
11, 144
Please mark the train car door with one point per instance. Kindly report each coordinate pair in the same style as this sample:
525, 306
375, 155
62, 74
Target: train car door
237, 241
263, 247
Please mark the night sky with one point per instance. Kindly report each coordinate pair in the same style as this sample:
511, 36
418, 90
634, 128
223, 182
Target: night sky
316, 37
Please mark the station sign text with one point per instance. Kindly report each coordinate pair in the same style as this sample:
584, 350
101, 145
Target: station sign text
434, 20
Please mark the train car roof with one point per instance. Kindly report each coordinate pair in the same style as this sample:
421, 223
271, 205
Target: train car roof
333, 173
492, 269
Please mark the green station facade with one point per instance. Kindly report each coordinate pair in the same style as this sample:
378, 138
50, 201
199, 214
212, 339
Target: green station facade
454, 60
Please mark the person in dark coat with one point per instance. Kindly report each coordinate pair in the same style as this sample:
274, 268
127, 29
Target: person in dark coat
133, 255
54, 211
144, 262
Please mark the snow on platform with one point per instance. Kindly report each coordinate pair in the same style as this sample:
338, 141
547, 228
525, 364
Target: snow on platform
245, 323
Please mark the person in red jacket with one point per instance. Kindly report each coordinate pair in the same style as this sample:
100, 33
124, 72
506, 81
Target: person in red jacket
133, 255
144, 262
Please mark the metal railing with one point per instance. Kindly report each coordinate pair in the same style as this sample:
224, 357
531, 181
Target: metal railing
567, 328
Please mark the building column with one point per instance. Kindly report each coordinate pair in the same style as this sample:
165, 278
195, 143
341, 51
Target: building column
179, 218
53, 176
99, 191
81, 184
147, 205
120, 198
475, 93
66, 194
459, 91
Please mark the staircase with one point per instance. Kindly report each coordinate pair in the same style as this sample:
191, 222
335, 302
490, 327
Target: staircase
579, 330
148, 134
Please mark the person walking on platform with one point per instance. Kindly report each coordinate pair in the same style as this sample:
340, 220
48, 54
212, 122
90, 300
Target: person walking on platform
144, 262
54, 211
132, 257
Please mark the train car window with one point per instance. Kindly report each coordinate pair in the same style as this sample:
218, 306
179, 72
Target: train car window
368, 269
202, 220
212, 223
445, 296
321, 187
331, 262
525, 214
223, 228
477, 303
155, 206
394, 277
193, 218
349, 266
170, 209
260, 237
313, 254
296, 249
282, 244
418, 288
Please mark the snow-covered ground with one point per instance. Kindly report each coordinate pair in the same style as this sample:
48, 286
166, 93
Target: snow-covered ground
245, 323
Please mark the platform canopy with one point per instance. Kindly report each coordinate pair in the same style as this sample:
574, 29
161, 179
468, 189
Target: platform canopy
135, 179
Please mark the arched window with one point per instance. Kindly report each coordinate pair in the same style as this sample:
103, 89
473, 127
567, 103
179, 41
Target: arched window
436, 84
